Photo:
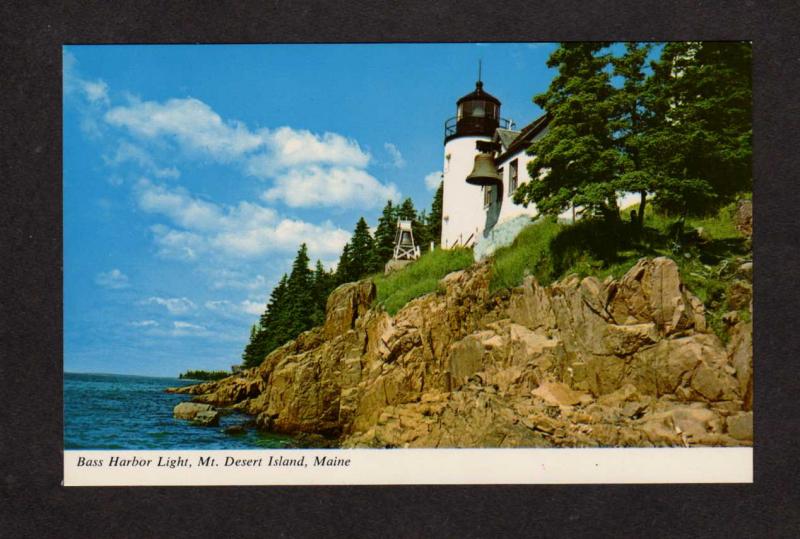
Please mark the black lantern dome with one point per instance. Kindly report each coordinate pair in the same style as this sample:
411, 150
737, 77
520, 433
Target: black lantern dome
478, 114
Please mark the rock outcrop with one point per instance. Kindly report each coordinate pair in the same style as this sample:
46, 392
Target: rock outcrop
204, 415
578, 363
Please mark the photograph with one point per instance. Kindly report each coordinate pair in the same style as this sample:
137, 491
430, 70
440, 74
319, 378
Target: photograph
399, 246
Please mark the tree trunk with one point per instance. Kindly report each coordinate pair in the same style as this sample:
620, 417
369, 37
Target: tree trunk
642, 205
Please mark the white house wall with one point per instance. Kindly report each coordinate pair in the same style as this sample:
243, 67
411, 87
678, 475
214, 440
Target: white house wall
509, 209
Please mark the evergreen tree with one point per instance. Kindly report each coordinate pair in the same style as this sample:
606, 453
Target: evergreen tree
299, 295
362, 251
344, 270
322, 287
406, 211
630, 126
577, 159
250, 356
272, 328
422, 234
700, 131
434, 222
385, 232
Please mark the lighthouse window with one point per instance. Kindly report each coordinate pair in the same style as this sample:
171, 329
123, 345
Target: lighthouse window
477, 109
513, 176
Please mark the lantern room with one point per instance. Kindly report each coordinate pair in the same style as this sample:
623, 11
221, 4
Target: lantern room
477, 114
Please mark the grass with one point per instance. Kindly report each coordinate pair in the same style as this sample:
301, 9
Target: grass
419, 278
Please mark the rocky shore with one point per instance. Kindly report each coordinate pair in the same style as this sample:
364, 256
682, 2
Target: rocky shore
580, 363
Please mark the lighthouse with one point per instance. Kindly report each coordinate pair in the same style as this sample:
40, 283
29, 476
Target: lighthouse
477, 118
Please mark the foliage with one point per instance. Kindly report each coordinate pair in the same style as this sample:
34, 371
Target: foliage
434, 220
420, 278
682, 135
384, 233
576, 160
359, 257
204, 375
295, 305
700, 127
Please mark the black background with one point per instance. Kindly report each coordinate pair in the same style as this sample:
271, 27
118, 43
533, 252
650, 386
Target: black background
33, 503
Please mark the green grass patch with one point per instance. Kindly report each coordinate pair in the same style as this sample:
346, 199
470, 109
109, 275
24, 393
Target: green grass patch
419, 278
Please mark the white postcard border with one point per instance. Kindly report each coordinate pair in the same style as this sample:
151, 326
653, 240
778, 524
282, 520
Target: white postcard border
408, 466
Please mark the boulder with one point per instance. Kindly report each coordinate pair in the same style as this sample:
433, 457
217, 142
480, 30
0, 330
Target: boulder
740, 294
235, 430
740, 426
740, 354
345, 305
558, 394
206, 418
188, 410
743, 218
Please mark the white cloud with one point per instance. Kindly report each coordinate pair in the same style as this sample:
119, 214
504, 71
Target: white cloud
244, 230
144, 323
394, 152
229, 308
308, 169
96, 91
127, 152
252, 307
227, 278
186, 325
289, 148
191, 123
173, 305
187, 329
433, 180
330, 186
113, 280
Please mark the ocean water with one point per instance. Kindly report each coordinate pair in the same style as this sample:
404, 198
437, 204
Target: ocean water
111, 411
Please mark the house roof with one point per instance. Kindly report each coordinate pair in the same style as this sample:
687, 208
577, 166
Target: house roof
505, 136
524, 138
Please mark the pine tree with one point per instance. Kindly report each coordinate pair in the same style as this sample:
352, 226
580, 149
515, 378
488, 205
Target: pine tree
271, 330
362, 251
344, 270
700, 132
576, 159
422, 234
323, 283
251, 356
299, 295
434, 222
385, 232
406, 212
630, 126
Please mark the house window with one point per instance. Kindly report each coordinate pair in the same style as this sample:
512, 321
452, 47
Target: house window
513, 176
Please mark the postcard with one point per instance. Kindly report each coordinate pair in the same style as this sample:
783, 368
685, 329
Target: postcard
441, 263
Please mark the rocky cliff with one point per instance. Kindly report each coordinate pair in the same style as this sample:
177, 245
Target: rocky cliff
626, 362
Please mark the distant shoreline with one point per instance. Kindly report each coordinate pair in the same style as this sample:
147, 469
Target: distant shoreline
158, 377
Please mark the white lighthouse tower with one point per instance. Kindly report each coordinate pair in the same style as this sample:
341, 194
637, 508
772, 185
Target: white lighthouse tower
463, 206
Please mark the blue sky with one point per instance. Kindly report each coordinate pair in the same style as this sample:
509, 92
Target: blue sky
193, 173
